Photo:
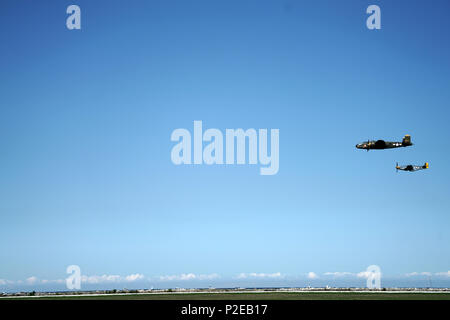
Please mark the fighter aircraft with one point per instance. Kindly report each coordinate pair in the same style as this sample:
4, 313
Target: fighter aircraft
381, 144
411, 168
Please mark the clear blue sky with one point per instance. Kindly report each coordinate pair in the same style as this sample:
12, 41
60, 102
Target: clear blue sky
86, 117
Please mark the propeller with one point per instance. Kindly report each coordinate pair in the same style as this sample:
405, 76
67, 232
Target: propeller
368, 144
396, 167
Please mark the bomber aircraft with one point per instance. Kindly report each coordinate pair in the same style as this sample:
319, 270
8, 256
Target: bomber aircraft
381, 144
411, 168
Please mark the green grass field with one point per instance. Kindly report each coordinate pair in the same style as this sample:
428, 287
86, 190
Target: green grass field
260, 296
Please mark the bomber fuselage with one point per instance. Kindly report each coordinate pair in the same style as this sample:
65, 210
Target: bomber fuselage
381, 144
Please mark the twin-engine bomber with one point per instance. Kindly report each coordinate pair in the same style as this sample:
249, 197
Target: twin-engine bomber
381, 144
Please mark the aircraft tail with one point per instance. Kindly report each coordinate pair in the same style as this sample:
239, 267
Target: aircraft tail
425, 166
407, 140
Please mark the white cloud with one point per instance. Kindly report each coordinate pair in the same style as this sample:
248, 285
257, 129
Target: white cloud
189, 276
84, 279
445, 274
32, 280
208, 276
338, 274
259, 275
35, 281
59, 281
100, 279
134, 277
184, 276
111, 278
4, 282
413, 274
429, 274
44, 281
364, 274
312, 275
